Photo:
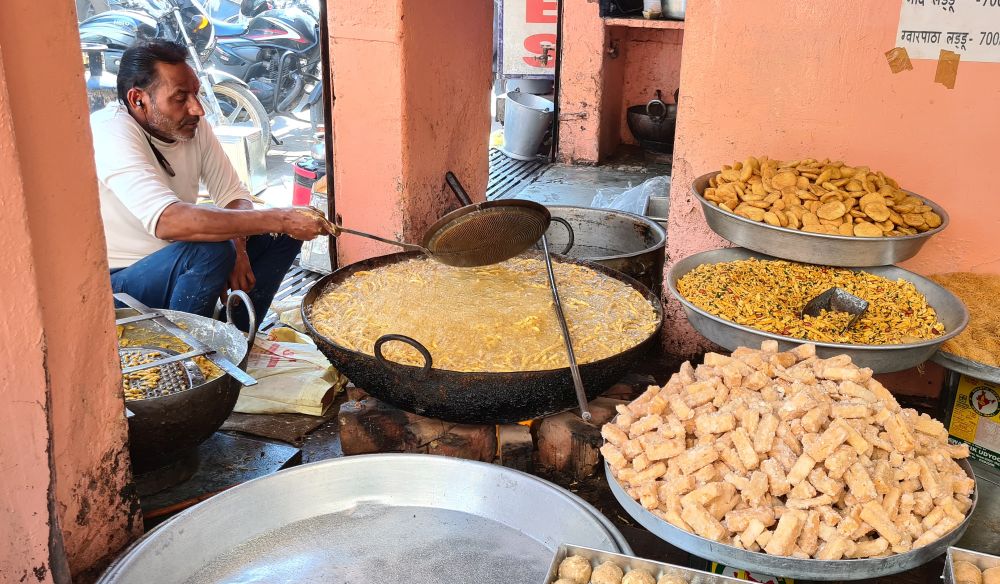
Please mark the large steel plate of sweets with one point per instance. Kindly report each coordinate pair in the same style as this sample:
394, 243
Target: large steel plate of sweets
410, 518
880, 358
471, 397
786, 566
813, 248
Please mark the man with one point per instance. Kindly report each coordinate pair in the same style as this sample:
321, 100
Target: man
152, 151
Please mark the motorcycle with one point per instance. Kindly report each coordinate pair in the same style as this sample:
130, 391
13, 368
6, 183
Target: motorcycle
276, 52
106, 36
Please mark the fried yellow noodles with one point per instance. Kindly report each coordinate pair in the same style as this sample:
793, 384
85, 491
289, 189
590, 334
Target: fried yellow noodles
769, 295
488, 319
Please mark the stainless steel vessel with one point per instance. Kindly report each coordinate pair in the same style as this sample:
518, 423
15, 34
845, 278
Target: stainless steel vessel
880, 358
824, 570
967, 367
980, 560
630, 244
812, 248
411, 518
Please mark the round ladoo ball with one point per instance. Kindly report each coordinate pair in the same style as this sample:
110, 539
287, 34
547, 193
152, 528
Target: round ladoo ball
607, 573
671, 579
575, 569
638, 577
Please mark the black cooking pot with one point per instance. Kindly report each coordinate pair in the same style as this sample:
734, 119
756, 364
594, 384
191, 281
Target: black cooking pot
471, 397
653, 125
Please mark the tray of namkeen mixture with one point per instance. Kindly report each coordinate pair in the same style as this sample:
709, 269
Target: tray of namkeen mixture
735, 297
580, 565
976, 351
788, 464
968, 567
817, 211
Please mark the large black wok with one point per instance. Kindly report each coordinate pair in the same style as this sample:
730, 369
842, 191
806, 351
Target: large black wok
471, 397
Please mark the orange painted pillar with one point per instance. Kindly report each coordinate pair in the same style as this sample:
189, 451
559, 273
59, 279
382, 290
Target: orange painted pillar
582, 83
64, 470
411, 83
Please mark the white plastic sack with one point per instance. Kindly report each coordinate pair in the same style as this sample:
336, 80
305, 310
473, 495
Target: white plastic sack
634, 199
293, 377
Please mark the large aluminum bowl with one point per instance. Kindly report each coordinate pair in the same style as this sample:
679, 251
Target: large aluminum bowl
880, 358
315, 522
813, 248
788, 567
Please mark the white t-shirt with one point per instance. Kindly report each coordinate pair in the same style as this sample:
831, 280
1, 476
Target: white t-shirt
135, 189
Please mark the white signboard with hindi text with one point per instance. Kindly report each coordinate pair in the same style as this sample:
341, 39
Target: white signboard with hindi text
528, 29
970, 28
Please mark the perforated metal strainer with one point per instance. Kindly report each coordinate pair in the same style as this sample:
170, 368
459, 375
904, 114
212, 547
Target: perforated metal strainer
476, 235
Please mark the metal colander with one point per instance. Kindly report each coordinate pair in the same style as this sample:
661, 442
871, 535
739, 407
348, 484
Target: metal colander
488, 233
175, 376
475, 235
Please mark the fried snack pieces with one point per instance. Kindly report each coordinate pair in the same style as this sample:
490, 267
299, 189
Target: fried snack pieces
820, 461
768, 295
980, 341
820, 196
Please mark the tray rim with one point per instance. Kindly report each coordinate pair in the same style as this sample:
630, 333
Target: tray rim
821, 570
112, 572
673, 277
566, 549
966, 366
949, 568
945, 219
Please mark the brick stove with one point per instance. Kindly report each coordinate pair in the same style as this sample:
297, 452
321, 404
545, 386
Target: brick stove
561, 442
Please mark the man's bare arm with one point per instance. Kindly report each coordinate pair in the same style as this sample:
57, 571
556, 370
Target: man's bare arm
187, 222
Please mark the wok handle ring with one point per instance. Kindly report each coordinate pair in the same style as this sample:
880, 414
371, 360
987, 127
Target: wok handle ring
409, 341
252, 334
569, 228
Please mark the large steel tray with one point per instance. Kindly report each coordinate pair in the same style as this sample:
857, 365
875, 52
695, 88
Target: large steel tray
628, 563
981, 561
813, 248
880, 358
788, 567
410, 518
967, 367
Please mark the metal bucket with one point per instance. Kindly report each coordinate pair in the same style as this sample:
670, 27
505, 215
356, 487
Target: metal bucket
630, 244
526, 118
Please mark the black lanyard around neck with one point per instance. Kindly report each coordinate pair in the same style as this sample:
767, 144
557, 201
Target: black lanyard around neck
161, 158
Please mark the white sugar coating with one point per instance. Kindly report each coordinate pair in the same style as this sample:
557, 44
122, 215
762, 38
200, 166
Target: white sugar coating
378, 543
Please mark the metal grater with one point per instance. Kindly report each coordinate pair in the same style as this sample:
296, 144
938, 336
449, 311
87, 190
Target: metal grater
174, 377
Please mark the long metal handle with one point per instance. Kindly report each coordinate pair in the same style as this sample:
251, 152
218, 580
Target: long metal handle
336, 230
574, 369
456, 187
251, 313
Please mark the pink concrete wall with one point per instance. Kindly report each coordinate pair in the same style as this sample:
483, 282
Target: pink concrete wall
652, 61
447, 76
789, 79
582, 83
71, 331
411, 82
25, 481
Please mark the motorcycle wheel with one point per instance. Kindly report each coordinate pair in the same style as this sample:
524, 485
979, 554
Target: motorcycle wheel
240, 107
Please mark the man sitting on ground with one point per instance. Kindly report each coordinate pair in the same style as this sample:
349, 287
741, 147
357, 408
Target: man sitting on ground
152, 150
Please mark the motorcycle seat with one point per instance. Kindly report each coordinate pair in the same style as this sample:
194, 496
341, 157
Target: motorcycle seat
229, 29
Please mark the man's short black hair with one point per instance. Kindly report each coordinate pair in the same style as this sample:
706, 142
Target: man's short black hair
138, 64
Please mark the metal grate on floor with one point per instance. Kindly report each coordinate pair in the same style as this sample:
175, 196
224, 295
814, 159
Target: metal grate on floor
507, 175
296, 282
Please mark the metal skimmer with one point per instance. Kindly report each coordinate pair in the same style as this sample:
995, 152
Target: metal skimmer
475, 235
174, 376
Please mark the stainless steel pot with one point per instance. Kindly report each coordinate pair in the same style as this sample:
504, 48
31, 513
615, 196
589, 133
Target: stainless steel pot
630, 244
674, 9
163, 429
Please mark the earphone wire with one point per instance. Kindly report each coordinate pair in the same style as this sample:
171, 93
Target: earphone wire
160, 157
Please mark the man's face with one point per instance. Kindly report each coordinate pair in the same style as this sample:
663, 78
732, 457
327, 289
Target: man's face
175, 109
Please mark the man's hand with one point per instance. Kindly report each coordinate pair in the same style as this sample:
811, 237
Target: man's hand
303, 224
242, 278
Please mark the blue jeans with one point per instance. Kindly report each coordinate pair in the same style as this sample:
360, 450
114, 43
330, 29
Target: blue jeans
188, 276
